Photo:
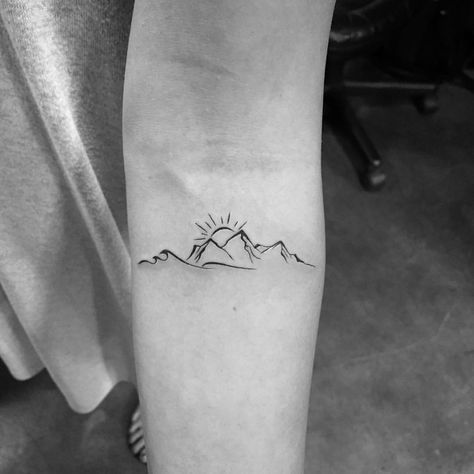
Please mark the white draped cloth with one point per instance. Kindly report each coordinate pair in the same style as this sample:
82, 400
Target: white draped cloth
64, 259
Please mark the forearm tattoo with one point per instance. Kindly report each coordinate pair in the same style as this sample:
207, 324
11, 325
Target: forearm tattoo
224, 243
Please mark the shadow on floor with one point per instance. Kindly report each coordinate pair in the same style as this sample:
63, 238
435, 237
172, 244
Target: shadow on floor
40, 434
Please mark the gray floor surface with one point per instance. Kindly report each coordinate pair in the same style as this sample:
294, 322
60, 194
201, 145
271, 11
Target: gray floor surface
394, 371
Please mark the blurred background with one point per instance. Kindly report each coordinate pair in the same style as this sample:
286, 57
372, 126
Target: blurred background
393, 387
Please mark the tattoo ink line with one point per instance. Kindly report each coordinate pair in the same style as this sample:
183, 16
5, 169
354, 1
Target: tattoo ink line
228, 246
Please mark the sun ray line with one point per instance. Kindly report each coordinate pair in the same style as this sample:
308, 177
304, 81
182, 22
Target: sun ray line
208, 225
242, 225
222, 220
201, 227
228, 218
213, 221
236, 222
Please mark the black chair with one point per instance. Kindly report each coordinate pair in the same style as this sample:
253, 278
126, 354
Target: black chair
361, 28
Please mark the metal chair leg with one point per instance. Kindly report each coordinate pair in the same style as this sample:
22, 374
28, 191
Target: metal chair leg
371, 175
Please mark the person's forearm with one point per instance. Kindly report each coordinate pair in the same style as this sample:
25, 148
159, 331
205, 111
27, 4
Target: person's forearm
222, 119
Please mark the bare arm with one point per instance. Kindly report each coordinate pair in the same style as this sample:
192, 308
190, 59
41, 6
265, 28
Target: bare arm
222, 123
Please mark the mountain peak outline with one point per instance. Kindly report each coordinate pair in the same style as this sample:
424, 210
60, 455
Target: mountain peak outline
231, 248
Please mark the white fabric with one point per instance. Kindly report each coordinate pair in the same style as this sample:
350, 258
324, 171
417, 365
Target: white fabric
64, 261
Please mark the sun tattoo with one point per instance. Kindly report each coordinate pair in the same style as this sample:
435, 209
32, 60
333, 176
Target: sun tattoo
224, 243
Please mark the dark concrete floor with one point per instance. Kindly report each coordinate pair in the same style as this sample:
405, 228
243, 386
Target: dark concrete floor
394, 371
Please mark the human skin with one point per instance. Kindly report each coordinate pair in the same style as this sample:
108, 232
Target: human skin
222, 114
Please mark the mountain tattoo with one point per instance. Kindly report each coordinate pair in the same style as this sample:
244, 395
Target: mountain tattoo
223, 244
